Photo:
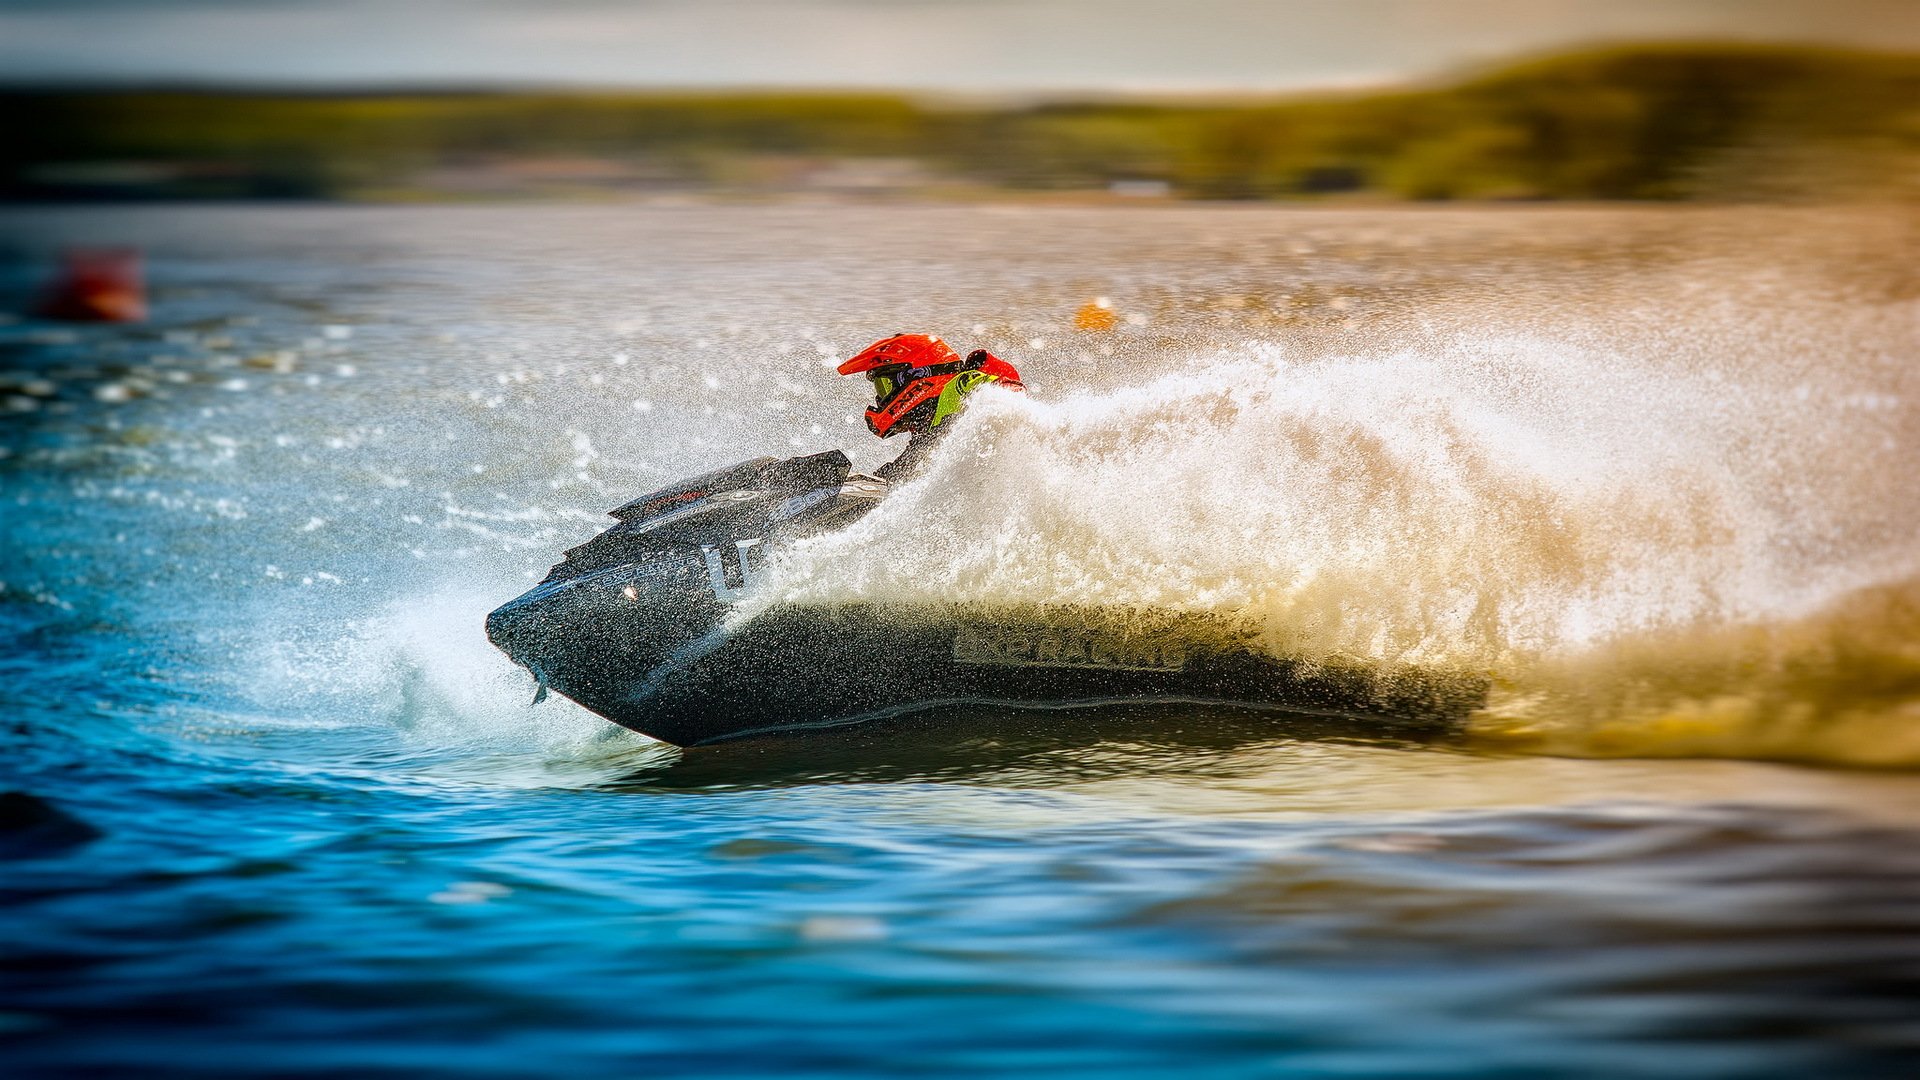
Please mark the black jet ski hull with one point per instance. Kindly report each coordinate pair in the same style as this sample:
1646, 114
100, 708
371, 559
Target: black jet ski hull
642, 626
798, 668
866, 662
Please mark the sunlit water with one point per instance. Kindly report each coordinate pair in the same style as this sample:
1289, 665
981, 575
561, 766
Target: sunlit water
278, 807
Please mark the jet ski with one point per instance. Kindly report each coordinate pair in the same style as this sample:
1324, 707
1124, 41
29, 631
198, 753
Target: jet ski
639, 625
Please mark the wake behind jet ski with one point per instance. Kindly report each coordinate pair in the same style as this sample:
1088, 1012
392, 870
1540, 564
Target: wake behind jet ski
637, 623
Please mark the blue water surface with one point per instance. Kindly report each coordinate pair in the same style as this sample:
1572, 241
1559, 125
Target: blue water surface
273, 807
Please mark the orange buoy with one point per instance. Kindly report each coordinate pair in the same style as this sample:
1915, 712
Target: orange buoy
1096, 314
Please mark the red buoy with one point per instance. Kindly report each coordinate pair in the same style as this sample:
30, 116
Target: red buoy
97, 285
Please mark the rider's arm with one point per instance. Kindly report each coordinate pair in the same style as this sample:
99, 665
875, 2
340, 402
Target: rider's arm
910, 461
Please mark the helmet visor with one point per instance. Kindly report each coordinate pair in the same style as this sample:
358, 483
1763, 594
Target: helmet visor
887, 383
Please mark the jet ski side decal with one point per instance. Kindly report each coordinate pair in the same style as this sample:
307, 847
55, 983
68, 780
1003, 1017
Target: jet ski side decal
722, 572
1064, 646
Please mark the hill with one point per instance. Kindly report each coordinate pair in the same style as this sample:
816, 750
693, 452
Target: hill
1642, 122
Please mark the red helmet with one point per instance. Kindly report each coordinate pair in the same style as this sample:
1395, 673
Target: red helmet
902, 350
910, 372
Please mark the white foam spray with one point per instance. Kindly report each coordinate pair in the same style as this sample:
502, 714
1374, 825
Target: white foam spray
1512, 504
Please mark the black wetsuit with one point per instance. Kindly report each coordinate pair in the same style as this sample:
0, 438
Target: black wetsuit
912, 459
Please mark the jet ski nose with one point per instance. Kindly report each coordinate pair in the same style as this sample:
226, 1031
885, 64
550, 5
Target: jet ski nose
516, 627
500, 629
505, 628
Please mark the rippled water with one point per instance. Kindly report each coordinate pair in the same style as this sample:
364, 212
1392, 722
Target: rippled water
274, 806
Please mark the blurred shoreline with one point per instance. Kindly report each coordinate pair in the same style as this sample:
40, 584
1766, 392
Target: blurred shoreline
1699, 122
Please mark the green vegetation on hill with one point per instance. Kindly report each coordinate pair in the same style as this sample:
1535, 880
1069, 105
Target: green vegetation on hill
1666, 122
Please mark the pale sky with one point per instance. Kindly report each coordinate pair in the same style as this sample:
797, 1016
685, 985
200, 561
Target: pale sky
985, 46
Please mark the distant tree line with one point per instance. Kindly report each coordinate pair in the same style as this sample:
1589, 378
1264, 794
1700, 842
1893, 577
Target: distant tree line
1652, 122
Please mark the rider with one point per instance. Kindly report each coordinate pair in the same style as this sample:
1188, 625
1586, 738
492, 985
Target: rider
919, 386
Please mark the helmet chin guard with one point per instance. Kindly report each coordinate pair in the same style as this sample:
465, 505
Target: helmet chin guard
898, 413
